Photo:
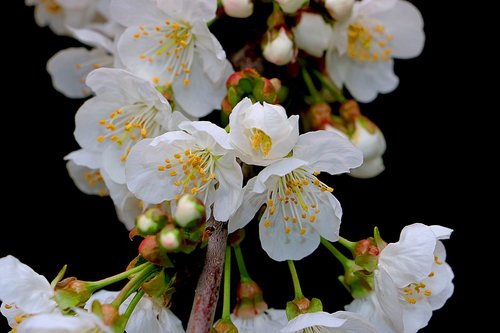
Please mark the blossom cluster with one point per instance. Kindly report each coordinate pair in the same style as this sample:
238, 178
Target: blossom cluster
152, 71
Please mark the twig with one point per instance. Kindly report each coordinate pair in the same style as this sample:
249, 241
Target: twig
207, 290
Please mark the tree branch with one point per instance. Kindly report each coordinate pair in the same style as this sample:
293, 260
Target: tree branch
207, 290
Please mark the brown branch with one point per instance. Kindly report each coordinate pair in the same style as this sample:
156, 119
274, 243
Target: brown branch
207, 290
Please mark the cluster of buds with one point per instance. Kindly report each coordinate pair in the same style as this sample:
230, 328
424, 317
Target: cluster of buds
249, 83
164, 234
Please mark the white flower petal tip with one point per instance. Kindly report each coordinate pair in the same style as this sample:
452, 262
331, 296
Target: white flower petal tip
238, 8
291, 6
280, 50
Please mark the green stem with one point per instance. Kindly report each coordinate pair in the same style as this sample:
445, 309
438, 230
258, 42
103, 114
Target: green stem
330, 86
346, 263
295, 279
244, 276
118, 277
130, 309
226, 305
135, 283
315, 95
351, 246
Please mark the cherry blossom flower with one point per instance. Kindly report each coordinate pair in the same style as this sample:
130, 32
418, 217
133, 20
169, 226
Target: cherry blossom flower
269, 321
125, 110
279, 50
198, 160
363, 46
262, 133
299, 207
168, 43
323, 322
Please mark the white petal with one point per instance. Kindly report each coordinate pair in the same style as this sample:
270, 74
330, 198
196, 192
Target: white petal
94, 39
441, 232
250, 205
136, 12
84, 157
311, 319
438, 300
193, 10
80, 174
312, 34
112, 163
202, 95
211, 54
354, 323
388, 298
69, 68
328, 220
281, 246
143, 177
370, 7
369, 168
279, 168
365, 80
337, 67
209, 134
10, 312
149, 317
228, 193
409, 260
416, 316
405, 23
21, 285
327, 151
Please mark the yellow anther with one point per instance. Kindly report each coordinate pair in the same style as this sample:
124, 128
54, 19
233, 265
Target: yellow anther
379, 28
302, 231
173, 173
100, 138
161, 168
177, 155
267, 223
305, 182
204, 179
177, 197
157, 28
114, 138
185, 82
8, 306
431, 274
294, 220
287, 230
111, 127
194, 190
156, 80
316, 182
102, 122
329, 189
437, 261
427, 293
270, 202
142, 56
316, 173
286, 217
303, 215
312, 218
168, 165
136, 35
177, 183
167, 22
145, 33
411, 300
144, 132
212, 176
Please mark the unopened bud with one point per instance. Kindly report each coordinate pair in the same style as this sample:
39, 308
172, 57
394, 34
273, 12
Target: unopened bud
238, 8
250, 301
190, 212
279, 49
152, 221
292, 6
339, 9
150, 250
264, 91
170, 239
71, 292
225, 326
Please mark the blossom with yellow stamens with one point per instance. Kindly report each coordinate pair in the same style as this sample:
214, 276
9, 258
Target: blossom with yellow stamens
362, 48
169, 44
412, 280
299, 207
262, 133
198, 161
125, 110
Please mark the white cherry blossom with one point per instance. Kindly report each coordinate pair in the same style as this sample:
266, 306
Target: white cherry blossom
363, 46
323, 322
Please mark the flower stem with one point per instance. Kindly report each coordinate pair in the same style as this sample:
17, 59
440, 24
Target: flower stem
135, 283
295, 279
133, 303
351, 246
244, 276
330, 86
226, 305
118, 277
315, 95
207, 290
346, 263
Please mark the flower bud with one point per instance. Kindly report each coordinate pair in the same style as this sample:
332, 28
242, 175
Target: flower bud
170, 239
71, 292
292, 6
190, 212
370, 140
250, 301
238, 8
339, 9
312, 34
149, 223
150, 250
279, 49
225, 326
264, 91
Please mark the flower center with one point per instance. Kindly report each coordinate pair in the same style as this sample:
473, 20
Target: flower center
52, 6
368, 41
127, 124
261, 141
173, 54
296, 199
416, 292
193, 171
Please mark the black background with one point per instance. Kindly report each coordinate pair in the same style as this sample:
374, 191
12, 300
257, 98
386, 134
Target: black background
47, 222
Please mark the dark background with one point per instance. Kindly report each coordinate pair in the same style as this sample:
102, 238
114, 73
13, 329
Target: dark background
47, 222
